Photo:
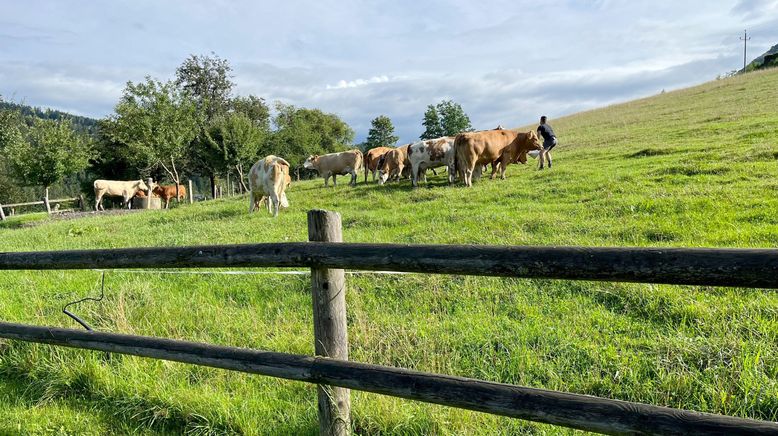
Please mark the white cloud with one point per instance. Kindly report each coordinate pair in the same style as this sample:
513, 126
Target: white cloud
358, 82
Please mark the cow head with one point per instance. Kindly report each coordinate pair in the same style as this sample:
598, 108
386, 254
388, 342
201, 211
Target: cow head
527, 142
312, 162
383, 169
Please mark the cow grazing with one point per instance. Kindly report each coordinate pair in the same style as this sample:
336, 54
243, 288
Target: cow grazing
334, 164
432, 153
118, 188
268, 180
475, 149
394, 165
167, 192
372, 157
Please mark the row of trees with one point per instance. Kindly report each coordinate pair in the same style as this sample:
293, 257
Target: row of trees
447, 118
192, 125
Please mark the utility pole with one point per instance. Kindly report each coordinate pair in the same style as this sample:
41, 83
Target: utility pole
745, 39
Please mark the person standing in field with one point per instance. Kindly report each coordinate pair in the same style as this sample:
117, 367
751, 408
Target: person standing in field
549, 141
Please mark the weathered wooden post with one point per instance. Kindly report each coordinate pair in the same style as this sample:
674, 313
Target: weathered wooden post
149, 182
2, 214
46, 201
330, 333
81, 202
190, 192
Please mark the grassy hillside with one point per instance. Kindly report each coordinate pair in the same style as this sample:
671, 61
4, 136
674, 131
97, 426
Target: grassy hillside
695, 167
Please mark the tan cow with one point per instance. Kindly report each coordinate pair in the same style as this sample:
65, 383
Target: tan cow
268, 180
475, 149
394, 165
118, 188
371, 159
431, 154
167, 192
334, 164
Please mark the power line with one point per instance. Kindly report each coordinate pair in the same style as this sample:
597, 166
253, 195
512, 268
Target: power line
745, 38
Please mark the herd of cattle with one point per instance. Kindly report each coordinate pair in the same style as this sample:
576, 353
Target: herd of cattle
464, 156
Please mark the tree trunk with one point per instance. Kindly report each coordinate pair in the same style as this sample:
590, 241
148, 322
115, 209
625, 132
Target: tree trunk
212, 176
242, 185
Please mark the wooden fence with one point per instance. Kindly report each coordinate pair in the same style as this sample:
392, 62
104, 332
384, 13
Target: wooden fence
47, 204
326, 255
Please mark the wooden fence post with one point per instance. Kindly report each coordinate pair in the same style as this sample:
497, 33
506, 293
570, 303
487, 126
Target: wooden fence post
2, 214
190, 192
149, 182
82, 202
46, 201
330, 333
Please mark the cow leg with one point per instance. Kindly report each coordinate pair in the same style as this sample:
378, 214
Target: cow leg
334, 180
354, 178
98, 198
503, 167
548, 158
273, 203
326, 180
415, 168
541, 157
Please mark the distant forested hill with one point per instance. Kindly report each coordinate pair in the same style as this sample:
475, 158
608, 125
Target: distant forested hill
84, 124
767, 60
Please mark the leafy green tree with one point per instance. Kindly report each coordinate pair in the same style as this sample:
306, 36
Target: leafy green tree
255, 108
431, 123
157, 122
453, 119
46, 152
207, 80
301, 132
381, 133
239, 140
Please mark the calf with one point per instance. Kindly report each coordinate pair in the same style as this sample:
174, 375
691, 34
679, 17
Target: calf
167, 192
334, 164
268, 180
432, 153
117, 188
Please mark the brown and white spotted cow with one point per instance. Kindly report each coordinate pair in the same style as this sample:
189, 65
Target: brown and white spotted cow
432, 153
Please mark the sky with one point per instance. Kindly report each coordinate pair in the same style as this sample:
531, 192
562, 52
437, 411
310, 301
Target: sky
505, 62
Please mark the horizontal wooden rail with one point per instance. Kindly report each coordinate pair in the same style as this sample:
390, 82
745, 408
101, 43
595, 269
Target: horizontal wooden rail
570, 410
755, 268
29, 203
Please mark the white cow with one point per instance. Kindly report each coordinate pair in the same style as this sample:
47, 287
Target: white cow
334, 164
432, 153
268, 180
118, 188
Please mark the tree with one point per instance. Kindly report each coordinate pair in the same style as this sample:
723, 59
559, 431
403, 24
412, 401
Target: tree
46, 152
431, 123
206, 79
157, 122
301, 132
239, 140
254, 108
381, 133
453, 119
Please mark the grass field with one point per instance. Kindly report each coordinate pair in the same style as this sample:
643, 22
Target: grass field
695, 167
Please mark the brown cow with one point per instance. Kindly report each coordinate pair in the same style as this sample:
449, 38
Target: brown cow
394, 165
371, 159
167, 192
500, 147
333, 164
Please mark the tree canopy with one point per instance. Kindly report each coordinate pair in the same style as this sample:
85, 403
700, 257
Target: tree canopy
381, 133
447, 118
46, 152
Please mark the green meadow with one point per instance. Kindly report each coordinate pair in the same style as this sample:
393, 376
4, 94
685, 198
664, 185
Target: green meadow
691, 168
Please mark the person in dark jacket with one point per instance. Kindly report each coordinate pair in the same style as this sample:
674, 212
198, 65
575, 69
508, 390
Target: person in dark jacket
549, 141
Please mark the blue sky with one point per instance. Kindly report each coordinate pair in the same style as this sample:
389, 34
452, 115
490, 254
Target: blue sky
506, 62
